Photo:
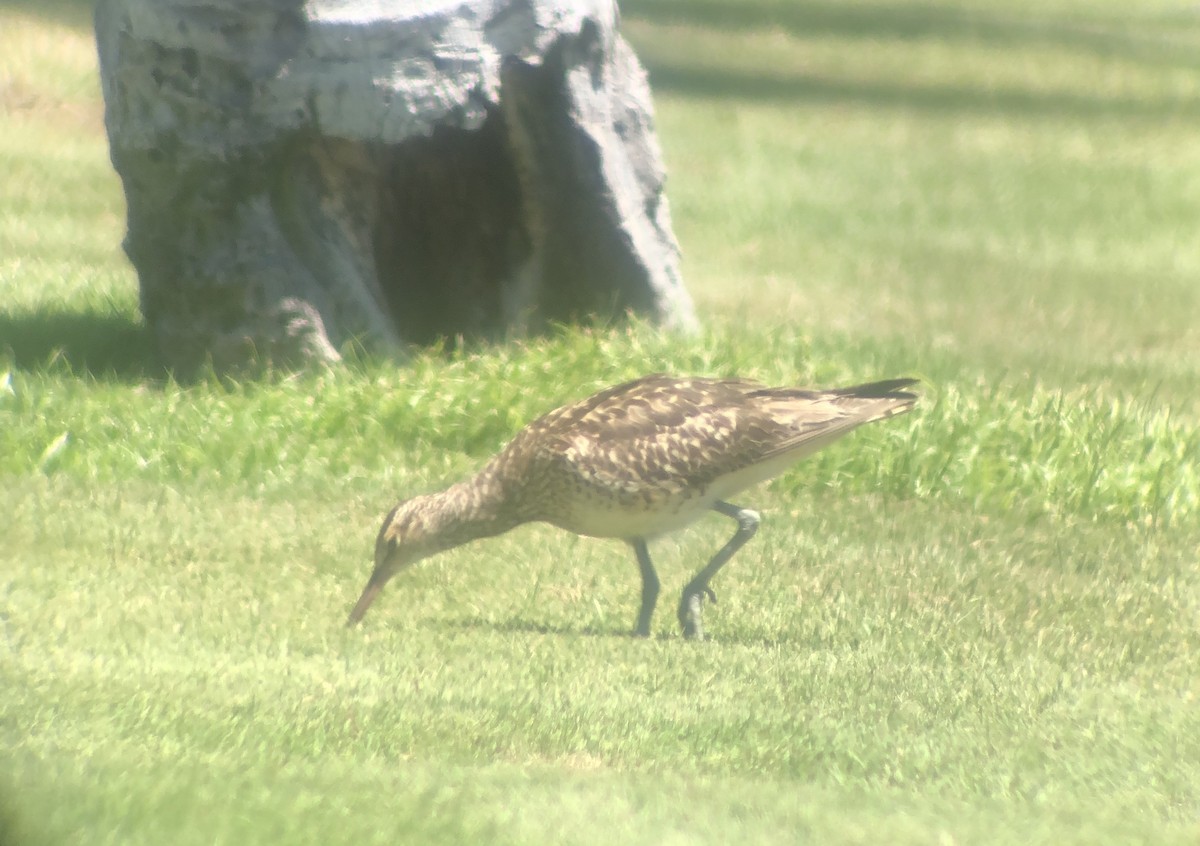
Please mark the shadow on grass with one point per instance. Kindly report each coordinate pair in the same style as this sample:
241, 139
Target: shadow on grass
1162, 38
753, 86
101, 345
1163, 41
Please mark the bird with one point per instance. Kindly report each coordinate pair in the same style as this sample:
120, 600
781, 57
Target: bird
633, 462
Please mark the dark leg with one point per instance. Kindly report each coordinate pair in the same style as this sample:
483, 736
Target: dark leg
697, 588
649, 588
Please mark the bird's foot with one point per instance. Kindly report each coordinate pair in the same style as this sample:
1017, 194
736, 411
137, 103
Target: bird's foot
689, 610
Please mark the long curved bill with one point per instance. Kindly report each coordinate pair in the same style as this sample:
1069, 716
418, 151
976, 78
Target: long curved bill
364, 602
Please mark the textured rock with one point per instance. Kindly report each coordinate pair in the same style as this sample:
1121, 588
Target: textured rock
299, 176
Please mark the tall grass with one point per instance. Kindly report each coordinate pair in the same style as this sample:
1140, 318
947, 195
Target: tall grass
1007, 445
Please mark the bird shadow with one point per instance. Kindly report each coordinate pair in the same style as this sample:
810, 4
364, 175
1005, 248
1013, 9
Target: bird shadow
519, 625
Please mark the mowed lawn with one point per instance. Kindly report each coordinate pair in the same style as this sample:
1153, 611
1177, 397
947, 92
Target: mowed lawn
976, 624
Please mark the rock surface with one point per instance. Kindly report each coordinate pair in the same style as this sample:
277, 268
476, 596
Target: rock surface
300, 176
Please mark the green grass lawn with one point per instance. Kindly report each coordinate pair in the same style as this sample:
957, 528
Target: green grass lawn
976, 624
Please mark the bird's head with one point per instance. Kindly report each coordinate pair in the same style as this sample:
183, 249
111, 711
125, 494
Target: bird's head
403, 540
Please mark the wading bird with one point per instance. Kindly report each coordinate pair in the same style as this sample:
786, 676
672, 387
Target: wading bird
635, 461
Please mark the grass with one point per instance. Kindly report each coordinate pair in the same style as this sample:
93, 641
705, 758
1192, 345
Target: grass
977, 624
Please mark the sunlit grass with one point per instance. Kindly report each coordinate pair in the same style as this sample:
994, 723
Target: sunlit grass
943, 174
47, 70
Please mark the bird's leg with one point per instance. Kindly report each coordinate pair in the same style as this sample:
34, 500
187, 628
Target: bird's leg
697, 588
649, 588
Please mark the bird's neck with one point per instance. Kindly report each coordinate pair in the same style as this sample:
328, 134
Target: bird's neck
468, 511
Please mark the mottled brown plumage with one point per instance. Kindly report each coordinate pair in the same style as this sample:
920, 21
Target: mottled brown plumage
632, 462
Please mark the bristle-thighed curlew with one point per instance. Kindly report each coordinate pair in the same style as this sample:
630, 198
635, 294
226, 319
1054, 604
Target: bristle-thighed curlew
632, 462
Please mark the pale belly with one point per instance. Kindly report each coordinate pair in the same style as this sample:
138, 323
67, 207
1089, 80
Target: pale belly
601, 516
613, 520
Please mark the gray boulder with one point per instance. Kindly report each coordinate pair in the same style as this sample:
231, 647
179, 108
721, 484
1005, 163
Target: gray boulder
300, 176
